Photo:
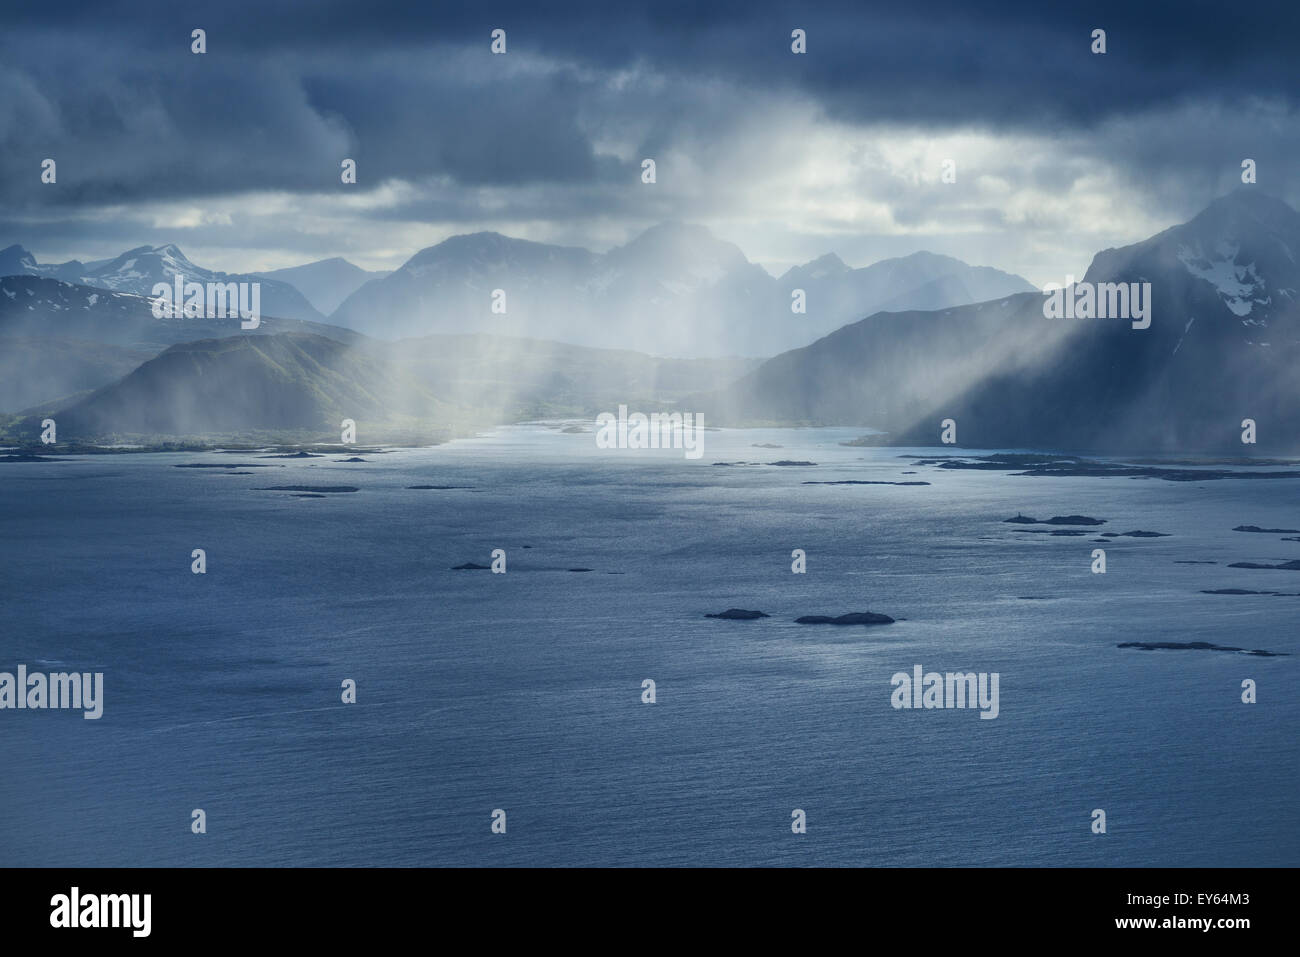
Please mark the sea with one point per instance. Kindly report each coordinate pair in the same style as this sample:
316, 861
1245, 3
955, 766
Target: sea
520, 699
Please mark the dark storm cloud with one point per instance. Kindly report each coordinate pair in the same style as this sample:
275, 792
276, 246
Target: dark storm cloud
478, 130
1008, 61
409, 89
176, 125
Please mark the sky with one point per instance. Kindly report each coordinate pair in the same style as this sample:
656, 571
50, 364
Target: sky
235, 154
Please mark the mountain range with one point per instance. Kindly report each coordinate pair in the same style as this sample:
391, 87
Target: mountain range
673, 290
1221, 347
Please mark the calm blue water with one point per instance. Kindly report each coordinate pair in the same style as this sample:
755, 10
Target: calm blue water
523, 691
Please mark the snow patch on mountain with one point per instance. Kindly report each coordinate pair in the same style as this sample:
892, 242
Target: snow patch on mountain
1237, 284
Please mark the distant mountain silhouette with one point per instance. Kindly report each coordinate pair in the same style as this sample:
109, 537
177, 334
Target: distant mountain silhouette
325, 283
674, 290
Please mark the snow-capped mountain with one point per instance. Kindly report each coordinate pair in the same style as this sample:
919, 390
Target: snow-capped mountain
673, 290
327, 282
138, 270
1238, 259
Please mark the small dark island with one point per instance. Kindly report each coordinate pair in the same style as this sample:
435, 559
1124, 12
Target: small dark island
852, 618
1195, 646
739, 614
1055, 520
308, 488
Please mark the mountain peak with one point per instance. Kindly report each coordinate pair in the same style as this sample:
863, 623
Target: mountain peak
488, 253
1246, 211
1250, 196
171, 254
828, 266
1243, 247
480, 242
679, 236
677, 245
483, 236
925, 256
16, 261
830, 260
675, 229
1246, 207
481, 245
